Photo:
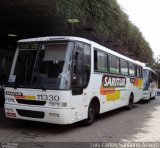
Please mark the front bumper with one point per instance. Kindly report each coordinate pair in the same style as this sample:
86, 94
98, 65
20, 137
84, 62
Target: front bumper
41, 114
145, 96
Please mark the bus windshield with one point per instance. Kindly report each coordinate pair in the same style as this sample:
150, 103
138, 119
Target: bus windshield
43, 66
146, 78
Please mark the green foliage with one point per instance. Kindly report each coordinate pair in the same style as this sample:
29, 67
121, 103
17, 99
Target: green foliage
107, 19
156, 68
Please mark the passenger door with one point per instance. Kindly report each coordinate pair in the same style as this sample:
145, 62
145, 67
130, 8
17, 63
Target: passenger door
80, 76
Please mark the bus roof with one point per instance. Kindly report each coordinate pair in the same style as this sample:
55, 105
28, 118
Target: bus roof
58, 38
54, 38
148, 68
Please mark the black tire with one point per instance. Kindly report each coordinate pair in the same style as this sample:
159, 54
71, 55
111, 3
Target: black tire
130, 103
150, 97
91, 115
147, 101
153, 98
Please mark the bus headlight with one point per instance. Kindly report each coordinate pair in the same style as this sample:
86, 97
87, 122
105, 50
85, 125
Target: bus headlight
9, 100
8, 110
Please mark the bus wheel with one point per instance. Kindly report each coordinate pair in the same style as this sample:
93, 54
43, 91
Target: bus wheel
153, 98
150, 97
130, 103
91, 115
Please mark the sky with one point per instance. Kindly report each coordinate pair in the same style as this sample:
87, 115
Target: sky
145, 14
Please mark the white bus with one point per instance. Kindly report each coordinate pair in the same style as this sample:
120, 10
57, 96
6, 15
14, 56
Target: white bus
63, 80
150, 84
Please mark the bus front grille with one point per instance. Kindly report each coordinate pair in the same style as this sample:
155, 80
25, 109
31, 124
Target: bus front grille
31, 102
31, 114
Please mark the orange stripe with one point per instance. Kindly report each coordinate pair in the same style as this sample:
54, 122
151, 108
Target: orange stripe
105, 91
30, 97
26, 97
19, 97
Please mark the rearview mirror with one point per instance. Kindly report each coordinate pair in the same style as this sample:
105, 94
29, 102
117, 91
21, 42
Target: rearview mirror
77, 90
150, 80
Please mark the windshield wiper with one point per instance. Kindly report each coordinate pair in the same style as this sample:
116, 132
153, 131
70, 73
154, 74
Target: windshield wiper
27, 70
16, 85
36, 70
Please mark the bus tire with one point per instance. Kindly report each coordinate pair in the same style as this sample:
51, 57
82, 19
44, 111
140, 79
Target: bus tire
147, 101
150, 97
153, 98
91, 115
130, 103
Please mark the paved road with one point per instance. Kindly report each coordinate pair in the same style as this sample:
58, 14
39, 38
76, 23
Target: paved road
140, 124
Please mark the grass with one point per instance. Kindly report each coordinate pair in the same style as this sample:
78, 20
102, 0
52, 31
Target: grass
107, 19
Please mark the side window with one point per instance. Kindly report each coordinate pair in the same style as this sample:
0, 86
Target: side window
154, 78
100, 60
78, 65
135, 69
131, 69
87, 64
138, 71
114, 64
4, 60
81, 65
124, 67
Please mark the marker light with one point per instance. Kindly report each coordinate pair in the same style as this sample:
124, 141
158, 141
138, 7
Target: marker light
12, 35
73, 21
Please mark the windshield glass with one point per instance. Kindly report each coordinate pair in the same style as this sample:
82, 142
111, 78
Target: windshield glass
145, 79
46, 66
